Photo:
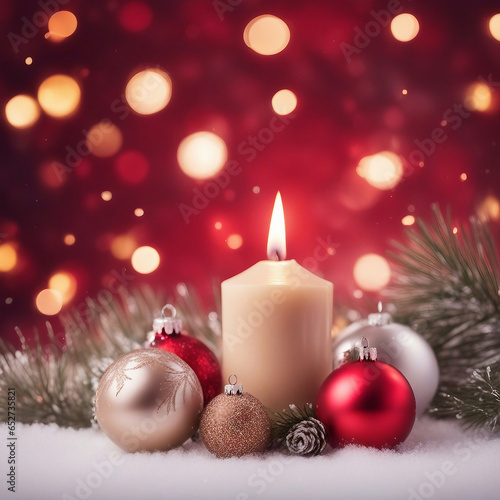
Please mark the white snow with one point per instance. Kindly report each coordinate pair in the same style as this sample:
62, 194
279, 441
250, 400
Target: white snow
439, 460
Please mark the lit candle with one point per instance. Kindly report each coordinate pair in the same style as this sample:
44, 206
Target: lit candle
276, 323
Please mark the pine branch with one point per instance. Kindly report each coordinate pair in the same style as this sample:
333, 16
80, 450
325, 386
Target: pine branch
285, 420
447, 288
477, 402
57, 382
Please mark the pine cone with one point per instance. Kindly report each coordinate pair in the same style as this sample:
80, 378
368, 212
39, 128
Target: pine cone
306, 438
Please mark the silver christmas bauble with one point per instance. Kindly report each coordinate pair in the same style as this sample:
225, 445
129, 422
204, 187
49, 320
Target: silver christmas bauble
398, 345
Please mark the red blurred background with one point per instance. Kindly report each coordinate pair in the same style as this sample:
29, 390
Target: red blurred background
359, 91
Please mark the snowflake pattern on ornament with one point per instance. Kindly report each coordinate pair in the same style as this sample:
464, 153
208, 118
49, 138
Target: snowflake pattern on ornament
177, 374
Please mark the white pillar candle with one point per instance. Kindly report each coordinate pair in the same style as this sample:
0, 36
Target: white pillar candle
276, 324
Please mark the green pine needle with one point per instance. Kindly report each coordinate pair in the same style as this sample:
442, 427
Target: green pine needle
283, 421
447, 288
57, 382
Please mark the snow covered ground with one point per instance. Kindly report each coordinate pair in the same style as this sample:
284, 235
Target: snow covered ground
437, 461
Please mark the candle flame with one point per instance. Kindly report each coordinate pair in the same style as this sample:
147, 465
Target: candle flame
276, 242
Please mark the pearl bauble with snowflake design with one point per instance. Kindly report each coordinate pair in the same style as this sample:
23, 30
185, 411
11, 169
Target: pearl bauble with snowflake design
149, 400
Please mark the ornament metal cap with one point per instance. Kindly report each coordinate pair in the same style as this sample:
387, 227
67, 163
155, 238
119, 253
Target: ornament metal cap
379, 318
366, 353
167, 324
233, 388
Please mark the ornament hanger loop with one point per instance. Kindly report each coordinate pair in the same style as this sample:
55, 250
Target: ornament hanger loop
366, 353
167, 325
233, 388
172, 310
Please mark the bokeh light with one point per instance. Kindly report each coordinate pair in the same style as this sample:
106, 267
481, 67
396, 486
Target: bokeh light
267, 35
408, 220
69, 239
201, 155
106, 195
28, 61
135, 16
372, 272
405, 27
494, 26
49, 302
234, 241
52, 174
145, 260
62, 24
148, 91
284, 102
478, 97
382, 170
463, 176
64, 283
22, 111
104, 139
218, 225
122, 246
59, 95
132, 167
138, 212
8, 257
489, 209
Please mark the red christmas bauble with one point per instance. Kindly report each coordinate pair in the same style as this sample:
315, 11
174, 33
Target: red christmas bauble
198, 356
369, 403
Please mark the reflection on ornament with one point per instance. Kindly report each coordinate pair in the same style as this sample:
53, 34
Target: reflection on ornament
397, 345
149, 400
366, 402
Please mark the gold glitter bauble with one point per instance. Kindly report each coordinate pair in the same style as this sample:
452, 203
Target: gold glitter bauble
149, 400
235, 425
